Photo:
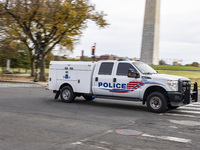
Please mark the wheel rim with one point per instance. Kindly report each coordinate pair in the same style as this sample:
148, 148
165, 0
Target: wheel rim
66, 94
155, 102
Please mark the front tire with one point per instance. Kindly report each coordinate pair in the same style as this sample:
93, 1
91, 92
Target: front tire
156, 102
67, 95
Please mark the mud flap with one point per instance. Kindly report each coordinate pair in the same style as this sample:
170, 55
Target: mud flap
57, 94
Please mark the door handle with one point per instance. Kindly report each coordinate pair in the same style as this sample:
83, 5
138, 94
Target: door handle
114, 79
96, 79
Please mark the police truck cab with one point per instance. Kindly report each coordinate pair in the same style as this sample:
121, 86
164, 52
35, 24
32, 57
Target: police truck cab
124, 80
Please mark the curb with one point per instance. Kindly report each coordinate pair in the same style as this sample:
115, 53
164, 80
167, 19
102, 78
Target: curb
12, 81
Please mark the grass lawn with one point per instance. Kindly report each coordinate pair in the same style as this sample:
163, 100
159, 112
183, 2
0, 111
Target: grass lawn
20, 70
185, 71
161, 67
15, 70
194, 76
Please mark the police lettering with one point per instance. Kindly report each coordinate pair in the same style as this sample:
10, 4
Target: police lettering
112, 85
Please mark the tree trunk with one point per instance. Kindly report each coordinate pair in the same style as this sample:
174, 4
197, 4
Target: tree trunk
32, 67
42, 69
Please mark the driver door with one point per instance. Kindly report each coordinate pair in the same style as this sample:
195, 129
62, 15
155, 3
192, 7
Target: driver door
129, 86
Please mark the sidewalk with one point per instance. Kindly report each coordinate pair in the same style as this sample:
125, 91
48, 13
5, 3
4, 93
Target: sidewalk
19, 78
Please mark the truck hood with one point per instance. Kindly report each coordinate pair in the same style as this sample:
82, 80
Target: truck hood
166, 77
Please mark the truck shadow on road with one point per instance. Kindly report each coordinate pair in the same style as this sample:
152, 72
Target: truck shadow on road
111, 104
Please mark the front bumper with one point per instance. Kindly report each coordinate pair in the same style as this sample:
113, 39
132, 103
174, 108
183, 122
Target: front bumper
185, 95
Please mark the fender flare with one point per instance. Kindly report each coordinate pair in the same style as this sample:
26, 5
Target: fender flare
154, 88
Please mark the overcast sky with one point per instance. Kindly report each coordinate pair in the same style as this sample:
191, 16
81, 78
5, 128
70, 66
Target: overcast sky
179, 30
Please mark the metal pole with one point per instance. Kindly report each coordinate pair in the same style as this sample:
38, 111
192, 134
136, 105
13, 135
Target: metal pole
94, 52
36, 69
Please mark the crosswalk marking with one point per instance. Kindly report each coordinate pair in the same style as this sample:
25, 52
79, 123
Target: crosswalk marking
169, 138
187, 111
189, 108
179, 115
193, 106
196, 103
190, 111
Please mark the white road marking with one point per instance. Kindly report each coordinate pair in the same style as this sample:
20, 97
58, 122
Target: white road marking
178, 115
188, 107
91, 145
174, 127
187, 111
168, 138
77, 143
192, 105
186, 122
99, 145
191, 111
197, 103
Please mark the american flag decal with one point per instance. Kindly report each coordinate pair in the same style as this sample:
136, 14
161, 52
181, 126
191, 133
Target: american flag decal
132, 86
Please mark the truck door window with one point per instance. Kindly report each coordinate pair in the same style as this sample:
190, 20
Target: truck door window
122, 69
106, 68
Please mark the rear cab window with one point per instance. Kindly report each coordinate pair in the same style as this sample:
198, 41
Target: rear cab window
106, 68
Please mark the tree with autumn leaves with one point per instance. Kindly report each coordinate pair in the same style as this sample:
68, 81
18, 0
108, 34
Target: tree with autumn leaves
43, 24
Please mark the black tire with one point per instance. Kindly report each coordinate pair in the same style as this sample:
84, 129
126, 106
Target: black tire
88, 98
67, 95
156, 102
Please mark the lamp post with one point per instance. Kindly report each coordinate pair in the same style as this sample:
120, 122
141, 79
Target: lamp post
36, 70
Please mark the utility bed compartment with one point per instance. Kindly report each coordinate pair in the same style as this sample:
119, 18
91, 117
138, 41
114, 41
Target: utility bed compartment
78, 74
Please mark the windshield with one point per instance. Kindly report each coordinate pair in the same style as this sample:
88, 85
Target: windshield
144, 68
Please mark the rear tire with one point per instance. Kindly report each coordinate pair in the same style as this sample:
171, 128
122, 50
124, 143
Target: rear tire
67, 95
156, 102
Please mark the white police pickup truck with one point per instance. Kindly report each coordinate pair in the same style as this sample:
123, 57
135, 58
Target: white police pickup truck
126, 80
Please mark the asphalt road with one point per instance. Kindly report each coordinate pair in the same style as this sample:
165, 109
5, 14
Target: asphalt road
32, 120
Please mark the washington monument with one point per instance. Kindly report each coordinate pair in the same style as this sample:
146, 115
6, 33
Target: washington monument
150, 39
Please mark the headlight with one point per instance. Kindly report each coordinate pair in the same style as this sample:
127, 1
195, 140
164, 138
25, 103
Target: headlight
173, 85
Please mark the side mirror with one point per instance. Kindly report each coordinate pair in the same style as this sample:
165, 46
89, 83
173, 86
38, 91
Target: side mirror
133, 73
